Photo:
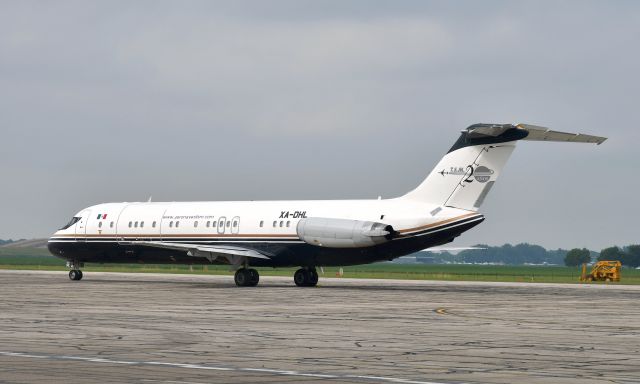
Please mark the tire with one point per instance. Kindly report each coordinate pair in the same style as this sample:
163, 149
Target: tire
313, 278
79, 275
254, 277
301, 277
73, 275
241, 277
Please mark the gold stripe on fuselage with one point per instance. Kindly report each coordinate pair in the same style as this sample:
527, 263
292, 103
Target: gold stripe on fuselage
436, 224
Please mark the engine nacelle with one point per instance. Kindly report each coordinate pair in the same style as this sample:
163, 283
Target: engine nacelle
343, 233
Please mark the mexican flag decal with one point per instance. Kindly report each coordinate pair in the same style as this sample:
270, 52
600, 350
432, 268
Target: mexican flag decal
102, 216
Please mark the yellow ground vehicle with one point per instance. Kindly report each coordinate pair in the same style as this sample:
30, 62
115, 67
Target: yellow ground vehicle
602, 271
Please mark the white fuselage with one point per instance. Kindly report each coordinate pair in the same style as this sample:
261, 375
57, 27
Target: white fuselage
241, 219
257, 225
304, 233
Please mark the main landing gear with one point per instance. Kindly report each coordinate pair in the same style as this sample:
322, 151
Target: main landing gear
249, 277
75, 273
246, 277
306, 277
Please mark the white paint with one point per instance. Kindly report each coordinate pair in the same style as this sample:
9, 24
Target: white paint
215, 368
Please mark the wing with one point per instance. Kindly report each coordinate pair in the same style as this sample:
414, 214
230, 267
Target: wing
234, 255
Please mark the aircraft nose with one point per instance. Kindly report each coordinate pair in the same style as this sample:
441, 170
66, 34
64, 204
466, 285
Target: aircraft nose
53, 246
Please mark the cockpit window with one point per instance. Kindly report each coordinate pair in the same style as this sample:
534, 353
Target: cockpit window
71, 222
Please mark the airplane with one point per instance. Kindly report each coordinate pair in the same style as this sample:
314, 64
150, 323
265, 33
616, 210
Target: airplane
305, 234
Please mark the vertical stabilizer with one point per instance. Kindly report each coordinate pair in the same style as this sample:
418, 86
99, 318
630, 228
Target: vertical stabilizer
467, 172
465, 175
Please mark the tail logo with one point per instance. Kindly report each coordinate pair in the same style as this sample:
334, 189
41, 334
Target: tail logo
481, 173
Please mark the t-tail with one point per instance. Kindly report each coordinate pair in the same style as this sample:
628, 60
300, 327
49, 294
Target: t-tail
466, 174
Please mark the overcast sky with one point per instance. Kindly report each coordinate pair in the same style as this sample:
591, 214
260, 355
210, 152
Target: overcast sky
188, 100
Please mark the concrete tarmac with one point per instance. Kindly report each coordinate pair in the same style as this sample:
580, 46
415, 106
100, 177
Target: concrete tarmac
160, 328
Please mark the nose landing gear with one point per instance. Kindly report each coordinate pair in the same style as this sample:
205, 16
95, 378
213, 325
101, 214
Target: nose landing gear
306, 277
75, 273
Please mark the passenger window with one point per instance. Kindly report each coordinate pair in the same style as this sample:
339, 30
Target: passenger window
142, 224
228, 224
130, 224
208, 224
281, 224
235, 224
274, 224
261, 223
100, 224
214, 224
288, 224
177, 224
153, 224
171, 224
195, 224
136, 224
111, 225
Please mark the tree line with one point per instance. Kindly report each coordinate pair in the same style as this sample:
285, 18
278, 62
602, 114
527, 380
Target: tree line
628, 256
506, 254
534, 254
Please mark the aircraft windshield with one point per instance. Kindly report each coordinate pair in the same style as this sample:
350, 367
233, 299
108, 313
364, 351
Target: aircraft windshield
70, 223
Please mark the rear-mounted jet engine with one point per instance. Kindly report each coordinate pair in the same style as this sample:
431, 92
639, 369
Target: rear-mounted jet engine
343, 233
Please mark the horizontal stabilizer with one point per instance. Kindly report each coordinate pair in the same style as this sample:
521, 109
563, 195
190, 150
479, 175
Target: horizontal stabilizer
537, 133
451, 249
527, 132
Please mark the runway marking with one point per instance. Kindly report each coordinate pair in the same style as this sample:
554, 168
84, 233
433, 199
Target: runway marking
217, 368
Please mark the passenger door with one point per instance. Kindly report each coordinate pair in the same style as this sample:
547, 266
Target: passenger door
81, 226
235, 225
221, 224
